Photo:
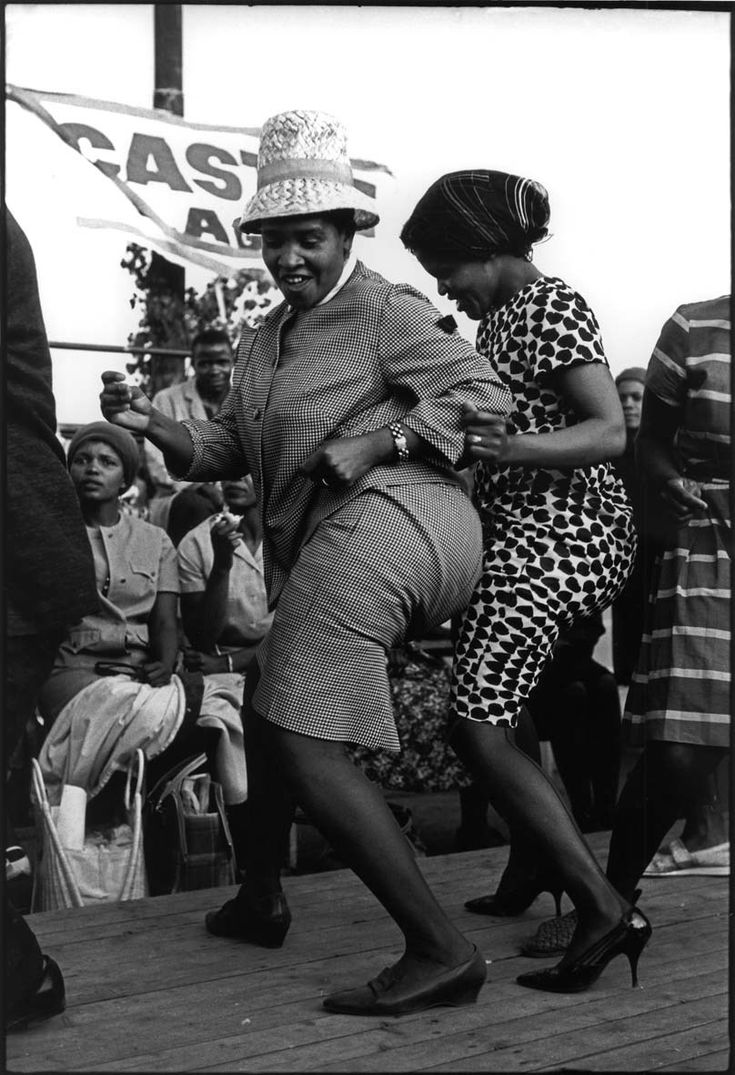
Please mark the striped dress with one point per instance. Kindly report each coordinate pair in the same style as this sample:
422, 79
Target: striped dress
680, 690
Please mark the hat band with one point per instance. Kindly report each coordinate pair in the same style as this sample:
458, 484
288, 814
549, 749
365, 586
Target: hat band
304, 168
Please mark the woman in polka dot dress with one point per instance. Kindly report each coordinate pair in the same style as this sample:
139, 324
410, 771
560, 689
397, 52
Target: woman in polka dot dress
558, 534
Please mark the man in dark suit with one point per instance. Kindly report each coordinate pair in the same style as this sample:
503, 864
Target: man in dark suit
48, 579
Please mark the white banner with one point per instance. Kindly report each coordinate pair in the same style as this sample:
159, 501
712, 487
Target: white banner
187, 181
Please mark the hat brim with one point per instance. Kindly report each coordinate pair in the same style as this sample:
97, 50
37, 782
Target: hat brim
301, 197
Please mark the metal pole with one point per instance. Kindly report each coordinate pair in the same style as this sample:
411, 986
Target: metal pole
168, 94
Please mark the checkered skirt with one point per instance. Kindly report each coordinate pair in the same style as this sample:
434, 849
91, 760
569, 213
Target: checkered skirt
386, 565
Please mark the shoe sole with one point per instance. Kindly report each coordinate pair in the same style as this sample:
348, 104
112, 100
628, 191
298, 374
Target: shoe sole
692, 871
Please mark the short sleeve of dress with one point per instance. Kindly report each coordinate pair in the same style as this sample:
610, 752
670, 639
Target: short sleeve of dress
168, 568
561, 330
193, 571
666, 375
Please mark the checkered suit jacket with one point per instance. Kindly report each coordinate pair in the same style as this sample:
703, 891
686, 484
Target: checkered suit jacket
373, 354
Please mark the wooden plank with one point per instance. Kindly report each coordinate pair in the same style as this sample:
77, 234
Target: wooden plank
719, 1060
210, 1010
149, 990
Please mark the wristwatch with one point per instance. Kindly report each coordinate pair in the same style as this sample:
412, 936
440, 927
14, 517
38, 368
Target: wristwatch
399, 440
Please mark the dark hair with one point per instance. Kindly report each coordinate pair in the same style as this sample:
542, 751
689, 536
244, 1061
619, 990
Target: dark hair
208, 336
478, 213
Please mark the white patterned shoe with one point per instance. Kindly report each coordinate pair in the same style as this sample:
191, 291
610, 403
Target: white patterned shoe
708, 862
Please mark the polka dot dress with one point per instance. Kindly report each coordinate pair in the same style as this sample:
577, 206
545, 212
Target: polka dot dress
558, 543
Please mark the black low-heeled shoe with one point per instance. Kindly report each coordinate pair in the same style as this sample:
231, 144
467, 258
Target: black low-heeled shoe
385, 996
628, 938
514, 897
49, 999
262, 920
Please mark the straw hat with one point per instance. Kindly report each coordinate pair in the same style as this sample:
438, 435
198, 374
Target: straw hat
303, 167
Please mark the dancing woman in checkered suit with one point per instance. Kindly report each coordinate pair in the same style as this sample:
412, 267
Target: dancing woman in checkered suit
346, 409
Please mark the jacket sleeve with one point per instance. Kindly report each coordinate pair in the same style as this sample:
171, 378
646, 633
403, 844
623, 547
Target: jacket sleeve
438, 369
49, 572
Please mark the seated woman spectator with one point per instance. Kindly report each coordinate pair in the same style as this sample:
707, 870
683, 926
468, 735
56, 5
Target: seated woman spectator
224, 603
112, 688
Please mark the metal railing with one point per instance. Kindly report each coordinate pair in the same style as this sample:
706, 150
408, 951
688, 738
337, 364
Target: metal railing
117, 349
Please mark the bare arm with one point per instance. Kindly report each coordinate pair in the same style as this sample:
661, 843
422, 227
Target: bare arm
204, 612
127, 406
599, 434
657, 459
163, 639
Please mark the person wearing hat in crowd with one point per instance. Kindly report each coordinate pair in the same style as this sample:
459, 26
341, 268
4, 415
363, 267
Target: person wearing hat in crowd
346, 409
559, 538
112, 687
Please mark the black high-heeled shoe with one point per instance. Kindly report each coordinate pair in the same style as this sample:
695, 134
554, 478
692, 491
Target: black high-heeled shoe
262, 920
628, 938
514, 897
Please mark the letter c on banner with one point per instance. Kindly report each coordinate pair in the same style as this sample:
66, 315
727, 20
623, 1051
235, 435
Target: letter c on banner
78, 132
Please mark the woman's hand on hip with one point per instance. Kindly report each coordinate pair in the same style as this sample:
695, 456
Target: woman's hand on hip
486, 435
124, 404
682, 498
339, 463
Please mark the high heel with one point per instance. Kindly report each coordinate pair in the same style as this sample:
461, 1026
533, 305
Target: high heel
553, 937
262, 920
628, 938
514, 897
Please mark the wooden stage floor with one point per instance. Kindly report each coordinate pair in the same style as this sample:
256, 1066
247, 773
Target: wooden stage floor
149, 990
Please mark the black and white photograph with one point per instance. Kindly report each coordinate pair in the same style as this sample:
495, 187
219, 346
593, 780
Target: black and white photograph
367, 537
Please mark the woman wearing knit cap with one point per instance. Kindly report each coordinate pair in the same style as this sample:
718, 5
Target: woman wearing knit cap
112, 687
559, 540
346, 408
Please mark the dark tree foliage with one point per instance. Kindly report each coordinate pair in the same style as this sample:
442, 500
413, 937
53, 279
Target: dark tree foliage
170, 321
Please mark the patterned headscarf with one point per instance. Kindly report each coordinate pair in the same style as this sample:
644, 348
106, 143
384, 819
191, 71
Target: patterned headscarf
477, 213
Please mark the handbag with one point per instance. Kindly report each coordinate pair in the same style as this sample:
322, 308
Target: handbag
188, 842
80, 866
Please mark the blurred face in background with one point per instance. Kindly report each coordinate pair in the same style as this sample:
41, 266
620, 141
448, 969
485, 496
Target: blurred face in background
212, 369
239, 495
631, 399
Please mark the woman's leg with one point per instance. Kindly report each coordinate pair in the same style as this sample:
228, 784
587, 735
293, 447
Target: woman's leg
567, 726
260, 829
604, 743
523, 795
667, 781
523, 860
353, 816
265, 818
